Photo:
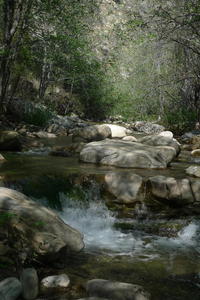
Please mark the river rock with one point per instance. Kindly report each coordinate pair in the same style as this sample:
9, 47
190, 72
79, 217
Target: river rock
157, 140
129, 138
147, 127
10, 141
171, 190
1, 158
127, 154
196, 153
55, 282
116, 290
126, 187
195, 185
44, 135
167, 134
39, 229
29, 280
193, 171
117, 131
10, 288
92, 133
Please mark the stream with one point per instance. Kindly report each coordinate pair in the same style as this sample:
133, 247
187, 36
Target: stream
117, 247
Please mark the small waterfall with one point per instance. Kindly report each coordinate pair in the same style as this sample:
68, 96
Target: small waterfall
96, 222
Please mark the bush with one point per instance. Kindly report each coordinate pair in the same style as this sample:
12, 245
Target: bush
39, 116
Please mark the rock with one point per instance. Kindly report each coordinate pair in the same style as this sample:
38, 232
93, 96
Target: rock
43, 135
39, 229
129, 138
117, 131
127, 154
1, 158
196, 153
171, 190
92, 133
147, 127
116, 290
195, 186
126, 187
167, 134
10, 288
55, 282
10, 141
193, 171
29, 280
156, 140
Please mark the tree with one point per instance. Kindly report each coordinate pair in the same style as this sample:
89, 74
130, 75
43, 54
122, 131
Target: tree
15, 24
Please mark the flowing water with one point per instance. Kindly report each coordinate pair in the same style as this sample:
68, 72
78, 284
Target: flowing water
116, 248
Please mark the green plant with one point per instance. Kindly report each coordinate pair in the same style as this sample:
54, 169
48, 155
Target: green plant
39, 116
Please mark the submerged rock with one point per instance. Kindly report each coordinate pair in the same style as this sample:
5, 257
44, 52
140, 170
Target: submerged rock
116, 290
10, 288
10, 141
38, 229
127, 154
126, 187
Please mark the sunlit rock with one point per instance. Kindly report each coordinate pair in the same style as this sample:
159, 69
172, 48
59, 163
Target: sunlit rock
193, 171
126, 187
129, 138
157, 140
38, 229
117, 131
127, 154
171, 190
92, 133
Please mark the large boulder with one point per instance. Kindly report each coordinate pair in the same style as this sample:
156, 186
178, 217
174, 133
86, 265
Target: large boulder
117, 131
39, 229
126, 187
159, 140
10, 141
171, 191
92, 133
127, 154
116, 290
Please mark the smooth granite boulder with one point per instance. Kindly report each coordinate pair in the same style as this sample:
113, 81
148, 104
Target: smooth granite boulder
39, 229
127, 154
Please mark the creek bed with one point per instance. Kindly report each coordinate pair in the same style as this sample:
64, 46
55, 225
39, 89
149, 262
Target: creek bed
116, 249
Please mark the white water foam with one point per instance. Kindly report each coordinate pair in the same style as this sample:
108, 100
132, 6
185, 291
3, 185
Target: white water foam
96, 222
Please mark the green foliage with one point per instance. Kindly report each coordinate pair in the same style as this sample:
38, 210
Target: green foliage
180, 120
38, 116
